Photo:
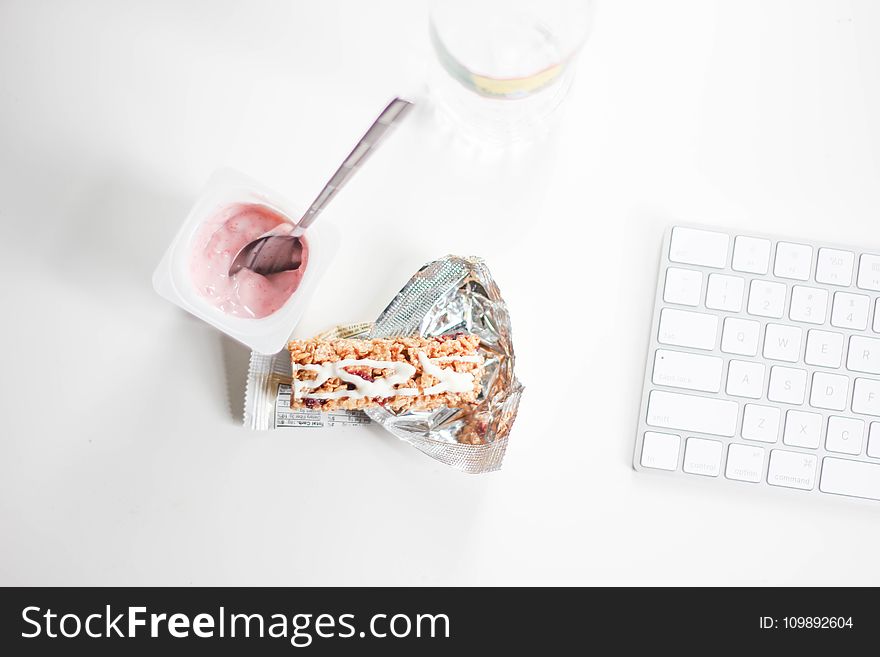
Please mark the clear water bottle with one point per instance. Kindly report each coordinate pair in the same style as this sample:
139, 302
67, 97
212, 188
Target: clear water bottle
504, 66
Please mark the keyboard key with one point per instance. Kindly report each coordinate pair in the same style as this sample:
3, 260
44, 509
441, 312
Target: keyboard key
702, 456
698, 247
787, 385
802, 429
772, 344
766, 298
792, 469
683, 286
740, 336
808, 304
829, 391
683, 328
782, 342
660, 450
745, 463
793, 261
761, 423
874, 440
725, 293
866, 397
864, 355
673, 410
835, 267
853, 478
751, 255
850, 311
844, 435
692, 371
869, 272
824, 348
745, 379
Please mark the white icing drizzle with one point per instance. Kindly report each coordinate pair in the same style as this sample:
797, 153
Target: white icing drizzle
449, 359
448, 379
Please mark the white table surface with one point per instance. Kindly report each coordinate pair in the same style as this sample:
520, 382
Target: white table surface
121, 457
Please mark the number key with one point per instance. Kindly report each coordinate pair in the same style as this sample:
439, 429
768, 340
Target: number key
850, 311
808, 304
766, 298
725, 293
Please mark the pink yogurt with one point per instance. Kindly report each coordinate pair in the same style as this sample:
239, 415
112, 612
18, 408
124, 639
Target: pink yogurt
216, 243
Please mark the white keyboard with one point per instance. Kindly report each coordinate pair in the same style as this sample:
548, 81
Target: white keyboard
764, 364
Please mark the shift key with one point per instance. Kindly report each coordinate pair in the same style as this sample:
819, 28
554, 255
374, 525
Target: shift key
673, 410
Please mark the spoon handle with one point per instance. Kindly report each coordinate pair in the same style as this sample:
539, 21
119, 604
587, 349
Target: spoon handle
395, 111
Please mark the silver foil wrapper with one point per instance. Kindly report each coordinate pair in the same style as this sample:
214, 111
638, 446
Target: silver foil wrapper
446, 296
450, 295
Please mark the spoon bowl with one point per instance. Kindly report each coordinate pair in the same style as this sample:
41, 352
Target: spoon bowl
269, 254
281, 249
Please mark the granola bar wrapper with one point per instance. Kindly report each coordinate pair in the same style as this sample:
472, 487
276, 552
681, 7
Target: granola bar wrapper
267, 395
447, 296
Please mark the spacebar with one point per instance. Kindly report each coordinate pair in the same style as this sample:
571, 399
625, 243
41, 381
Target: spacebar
854, 478
672, 410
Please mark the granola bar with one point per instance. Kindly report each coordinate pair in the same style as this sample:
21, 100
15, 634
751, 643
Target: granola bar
402, 373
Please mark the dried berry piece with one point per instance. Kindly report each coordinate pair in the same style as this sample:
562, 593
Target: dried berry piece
364, 373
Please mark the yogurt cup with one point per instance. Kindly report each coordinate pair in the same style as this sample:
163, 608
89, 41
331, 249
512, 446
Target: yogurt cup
173, 278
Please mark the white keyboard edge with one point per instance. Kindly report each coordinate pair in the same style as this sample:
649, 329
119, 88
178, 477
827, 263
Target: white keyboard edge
664, 262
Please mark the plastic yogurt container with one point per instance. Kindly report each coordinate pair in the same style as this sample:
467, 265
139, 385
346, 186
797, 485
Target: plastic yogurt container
177, 278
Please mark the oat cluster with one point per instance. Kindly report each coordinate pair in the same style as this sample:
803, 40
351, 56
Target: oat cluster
398, 349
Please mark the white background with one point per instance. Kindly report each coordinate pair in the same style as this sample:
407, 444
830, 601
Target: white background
121, 457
